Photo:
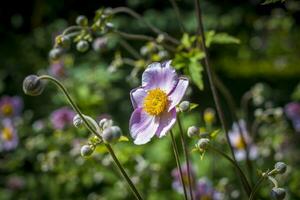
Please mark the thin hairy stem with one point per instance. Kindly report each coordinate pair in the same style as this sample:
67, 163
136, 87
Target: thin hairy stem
176, 154
145, 22
91, 129
242, 175
178, 15
186, 155
209, 74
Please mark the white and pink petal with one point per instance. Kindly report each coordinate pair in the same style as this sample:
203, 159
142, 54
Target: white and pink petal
178, 92
166, 122
137, 96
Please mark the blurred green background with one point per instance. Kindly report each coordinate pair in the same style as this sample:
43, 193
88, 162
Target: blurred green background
46, 163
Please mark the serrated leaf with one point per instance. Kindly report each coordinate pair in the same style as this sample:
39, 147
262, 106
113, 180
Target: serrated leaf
220, 38
123, 139
195, 71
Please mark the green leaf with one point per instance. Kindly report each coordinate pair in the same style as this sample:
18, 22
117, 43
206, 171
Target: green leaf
193, 106
214, 133
123, 139
195, 71
220, 38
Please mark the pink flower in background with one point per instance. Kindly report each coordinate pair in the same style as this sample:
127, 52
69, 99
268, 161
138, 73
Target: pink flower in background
292, 111
9, 139
238, 144
155, 102
10, 106
61, 118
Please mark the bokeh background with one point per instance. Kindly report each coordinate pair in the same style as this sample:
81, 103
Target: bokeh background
43, 160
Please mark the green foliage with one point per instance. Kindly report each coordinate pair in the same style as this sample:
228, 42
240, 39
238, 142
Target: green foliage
272, 1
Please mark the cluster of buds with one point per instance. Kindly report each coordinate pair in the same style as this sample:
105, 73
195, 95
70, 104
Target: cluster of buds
82, 34
110, 132
277, 193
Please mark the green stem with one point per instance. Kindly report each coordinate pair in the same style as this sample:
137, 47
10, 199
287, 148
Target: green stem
256, 186
242, 175
176, 153
145, 22
186, 155
91, 129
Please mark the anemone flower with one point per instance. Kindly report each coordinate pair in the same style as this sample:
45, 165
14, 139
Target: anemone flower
10, 106
155, 101
62, 117
205, 190
238, 144
9, 139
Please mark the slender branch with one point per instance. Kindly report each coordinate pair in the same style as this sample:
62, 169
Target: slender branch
178, 15
145, 22
242, 175
186, 155
176, 154
131, 36
209, 74
256, 187
130, 49
91, 129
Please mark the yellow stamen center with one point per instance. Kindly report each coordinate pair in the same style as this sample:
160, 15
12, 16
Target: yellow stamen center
155, 102
7, 109
239, 143
7, 134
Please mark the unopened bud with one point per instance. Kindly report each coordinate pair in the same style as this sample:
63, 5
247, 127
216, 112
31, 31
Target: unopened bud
184, 106
55, 53
105, 123
77, 121
278, 193
280, 167
111, 134
32, 85
202, 144
82, 20
65, 42
86, 150
82, 46
192, 131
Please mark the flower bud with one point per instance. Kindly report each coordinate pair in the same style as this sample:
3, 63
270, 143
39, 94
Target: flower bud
280, 167
111, 134
193, 131
77, 121
105, 123
278, 193
184, 106
202, 144
55, 53
32, 85
65, 42
82, 46
82, 20
86, 150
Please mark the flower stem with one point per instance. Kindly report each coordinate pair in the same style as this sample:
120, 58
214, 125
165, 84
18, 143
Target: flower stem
83, 117
186, 155
256, 186
242, 175
176, 153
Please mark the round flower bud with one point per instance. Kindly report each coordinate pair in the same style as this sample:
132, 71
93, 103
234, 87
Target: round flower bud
86, 150
33, 86
193, 131
65, 42
278, 193
55, 54
202, 144
105, 123
111, 134
82, 46
184, 106
77, 121
280, 167
82, 20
